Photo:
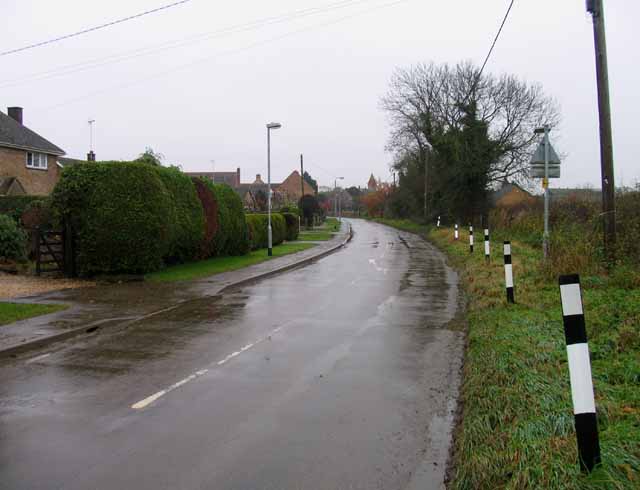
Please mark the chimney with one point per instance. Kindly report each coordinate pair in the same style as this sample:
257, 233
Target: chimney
15, 113
91, 156
238, 177
258, 179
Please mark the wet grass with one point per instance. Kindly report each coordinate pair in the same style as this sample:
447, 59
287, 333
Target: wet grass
216, 265
331, 224
517, 427
315, 236
13, 312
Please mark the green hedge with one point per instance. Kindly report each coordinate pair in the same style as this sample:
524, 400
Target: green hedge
237, 236
291, 221
120, 213
258, 223
12, 240
14, 206
186, 217
226, 225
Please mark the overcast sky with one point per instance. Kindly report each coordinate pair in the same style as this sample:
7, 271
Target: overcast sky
320, 74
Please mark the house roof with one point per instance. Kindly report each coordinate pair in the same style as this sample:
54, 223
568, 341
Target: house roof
15, 135
506, 188
69, 162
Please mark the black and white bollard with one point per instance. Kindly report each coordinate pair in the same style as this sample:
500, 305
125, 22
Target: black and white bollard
438, 223
470, 239
584, 406
455, 231
508, 272
487, 245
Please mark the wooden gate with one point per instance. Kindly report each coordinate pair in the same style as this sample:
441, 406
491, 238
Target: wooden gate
55, 252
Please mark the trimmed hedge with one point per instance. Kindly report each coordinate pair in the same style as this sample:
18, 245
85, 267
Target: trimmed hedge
237, 236
14, 206
186, 217
226, 225
120, 213
291, 221
258, 226
210, 211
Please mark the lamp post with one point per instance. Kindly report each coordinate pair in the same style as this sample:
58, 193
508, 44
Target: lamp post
335, 197
270, 126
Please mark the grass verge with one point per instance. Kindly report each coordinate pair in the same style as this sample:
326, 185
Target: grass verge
315, 236
517, 428
13, 312
216, 265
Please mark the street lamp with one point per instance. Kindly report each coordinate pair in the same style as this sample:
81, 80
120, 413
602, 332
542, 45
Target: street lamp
335, 197
270, 126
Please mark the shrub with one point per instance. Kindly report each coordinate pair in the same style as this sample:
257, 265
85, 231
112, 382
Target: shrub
310, 207
120, 213
12, 240
186, 216
291, 221
237, 236
14, 206
210, 211
258, 225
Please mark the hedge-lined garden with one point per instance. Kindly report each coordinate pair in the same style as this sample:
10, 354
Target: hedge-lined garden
136, 218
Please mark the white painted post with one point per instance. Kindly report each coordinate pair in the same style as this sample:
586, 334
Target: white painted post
438, 223
455, 231
584, 406
508, 272
487, 245
470, 239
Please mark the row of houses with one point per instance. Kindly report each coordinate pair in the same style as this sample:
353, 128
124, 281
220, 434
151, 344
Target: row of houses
31, 165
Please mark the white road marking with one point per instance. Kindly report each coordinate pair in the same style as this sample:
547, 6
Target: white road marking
150, 399
39, 358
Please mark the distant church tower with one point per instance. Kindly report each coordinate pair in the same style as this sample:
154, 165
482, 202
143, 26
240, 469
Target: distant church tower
372, 184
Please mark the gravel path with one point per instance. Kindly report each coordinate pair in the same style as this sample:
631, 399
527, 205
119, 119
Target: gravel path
12, 286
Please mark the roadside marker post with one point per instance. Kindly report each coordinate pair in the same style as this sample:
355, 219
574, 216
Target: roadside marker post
584, 407
455, 232
438, 223
487, 245
508, 272
470, 239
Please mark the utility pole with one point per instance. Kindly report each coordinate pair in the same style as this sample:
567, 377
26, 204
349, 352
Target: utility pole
426, 166
301, 176
595, 8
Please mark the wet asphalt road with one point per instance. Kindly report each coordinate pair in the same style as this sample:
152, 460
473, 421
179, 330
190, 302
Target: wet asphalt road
339, 375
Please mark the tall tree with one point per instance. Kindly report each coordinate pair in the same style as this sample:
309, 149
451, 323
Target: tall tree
311, 181
466, 131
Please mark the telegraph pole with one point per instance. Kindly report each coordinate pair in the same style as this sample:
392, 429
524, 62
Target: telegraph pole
301, 175
426, 166
595, 8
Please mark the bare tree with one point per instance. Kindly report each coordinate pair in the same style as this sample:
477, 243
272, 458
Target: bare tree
428, 100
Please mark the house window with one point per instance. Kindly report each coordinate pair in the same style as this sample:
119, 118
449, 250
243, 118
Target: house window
36, 160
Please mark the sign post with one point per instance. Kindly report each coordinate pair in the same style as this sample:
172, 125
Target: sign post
545, 164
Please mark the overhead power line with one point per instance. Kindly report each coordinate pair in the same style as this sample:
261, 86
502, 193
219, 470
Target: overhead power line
493, 45
229, 52
179, 43
92, 29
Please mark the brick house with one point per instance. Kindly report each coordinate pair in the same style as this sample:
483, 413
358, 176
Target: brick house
511, 195
291, 189
28, 162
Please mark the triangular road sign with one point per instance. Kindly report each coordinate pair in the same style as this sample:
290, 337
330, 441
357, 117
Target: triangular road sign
538, 156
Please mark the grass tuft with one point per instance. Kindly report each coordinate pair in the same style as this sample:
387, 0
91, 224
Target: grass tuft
13, 312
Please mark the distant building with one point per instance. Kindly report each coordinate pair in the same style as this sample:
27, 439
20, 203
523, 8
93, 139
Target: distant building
232, 179
509, 195
372, 185
579, 194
